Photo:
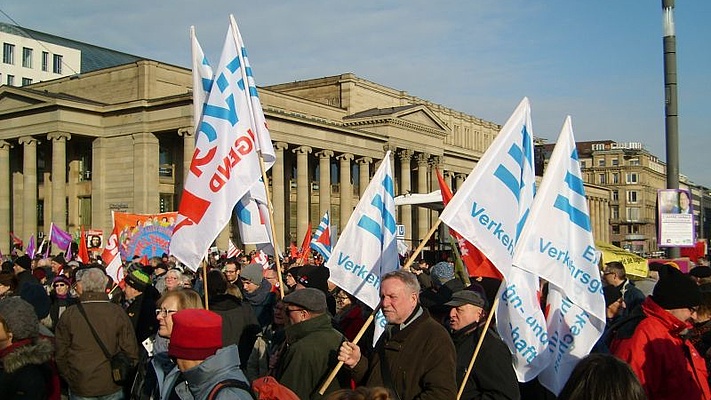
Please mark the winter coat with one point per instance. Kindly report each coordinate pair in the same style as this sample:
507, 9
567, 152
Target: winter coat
421, 360
79, 357
58, 306
310, 356
492, 376
215, 369
262, 301
239, 324
668, 366
27, 371
142, 313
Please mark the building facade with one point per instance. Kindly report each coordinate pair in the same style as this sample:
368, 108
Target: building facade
75, 148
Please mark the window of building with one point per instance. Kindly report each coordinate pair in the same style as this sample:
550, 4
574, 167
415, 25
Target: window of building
615, 195
615, 178
601, 162
40, 212
616, 229
27, 57
26, 81
166, 202
601, 179
634, 161
615, 162
634, 229
582, 164
632, 196
632, 177
615, 212
85, 211
45, 61
10, 80
633, 213
8, 53
57, 64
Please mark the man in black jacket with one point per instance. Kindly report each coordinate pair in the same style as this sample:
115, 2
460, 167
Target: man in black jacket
492, 376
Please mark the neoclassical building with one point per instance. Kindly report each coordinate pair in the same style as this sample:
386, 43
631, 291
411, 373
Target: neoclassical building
121, 138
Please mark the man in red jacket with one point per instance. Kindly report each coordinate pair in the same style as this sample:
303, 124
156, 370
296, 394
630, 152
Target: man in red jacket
667, 365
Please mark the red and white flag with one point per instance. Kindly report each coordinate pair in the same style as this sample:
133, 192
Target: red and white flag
226, 163
111, 255
232, 250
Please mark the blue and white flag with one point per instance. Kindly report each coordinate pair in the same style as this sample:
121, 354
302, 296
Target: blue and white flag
226, 162
557, 244
321, 241
367, 248
253, 217
202, 78
490, 210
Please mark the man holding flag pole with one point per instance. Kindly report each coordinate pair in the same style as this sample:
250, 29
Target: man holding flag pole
413, 355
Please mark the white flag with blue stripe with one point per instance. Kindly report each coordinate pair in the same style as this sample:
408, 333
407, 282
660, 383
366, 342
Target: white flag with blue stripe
367, 247
202, 78
490, 210
252, 217
321, 241
557, 244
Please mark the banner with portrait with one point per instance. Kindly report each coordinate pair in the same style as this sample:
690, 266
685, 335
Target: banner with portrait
676, 218
144, 234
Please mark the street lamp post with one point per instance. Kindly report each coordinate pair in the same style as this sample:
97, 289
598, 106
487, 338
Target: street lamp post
670, 103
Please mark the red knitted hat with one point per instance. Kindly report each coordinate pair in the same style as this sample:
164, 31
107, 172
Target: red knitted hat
196, 335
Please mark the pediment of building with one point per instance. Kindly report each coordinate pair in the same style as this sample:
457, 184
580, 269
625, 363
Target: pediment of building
416, 118
13, 99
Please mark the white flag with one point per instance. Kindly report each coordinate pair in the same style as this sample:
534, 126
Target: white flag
253, 216
367, 248
490, 210
202, 78
557, 244
225, 164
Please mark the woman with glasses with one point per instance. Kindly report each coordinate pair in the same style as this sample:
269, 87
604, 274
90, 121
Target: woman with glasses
158, 377
61, 298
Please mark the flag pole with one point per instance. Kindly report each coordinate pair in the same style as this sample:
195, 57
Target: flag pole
338, 366
271, 224
478, 347
204, 280
422, 245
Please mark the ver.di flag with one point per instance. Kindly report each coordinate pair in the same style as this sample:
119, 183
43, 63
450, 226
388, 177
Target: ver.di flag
112, 254
225, 164
557, 244
322, 238
367, 247
490, 210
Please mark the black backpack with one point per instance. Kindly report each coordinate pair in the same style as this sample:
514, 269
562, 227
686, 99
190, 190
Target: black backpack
235, 383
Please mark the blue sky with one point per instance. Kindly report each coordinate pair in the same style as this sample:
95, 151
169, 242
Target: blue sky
598, 61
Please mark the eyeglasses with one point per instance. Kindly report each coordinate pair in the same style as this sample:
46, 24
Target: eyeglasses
607, 273
163, 312
694, 309
230, 271
59, 285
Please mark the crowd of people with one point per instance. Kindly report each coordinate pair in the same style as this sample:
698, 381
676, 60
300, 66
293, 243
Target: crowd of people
229, 334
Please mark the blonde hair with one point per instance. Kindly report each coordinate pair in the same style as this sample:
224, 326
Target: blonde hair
187, 298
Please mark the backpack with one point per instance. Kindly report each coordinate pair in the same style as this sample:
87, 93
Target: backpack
235, 383
268, 388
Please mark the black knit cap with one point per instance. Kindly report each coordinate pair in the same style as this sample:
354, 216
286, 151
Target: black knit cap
676, 290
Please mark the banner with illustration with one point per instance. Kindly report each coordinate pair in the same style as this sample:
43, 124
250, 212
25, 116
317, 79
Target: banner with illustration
144, 234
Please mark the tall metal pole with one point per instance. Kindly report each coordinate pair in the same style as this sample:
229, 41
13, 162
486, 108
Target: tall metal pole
670, 102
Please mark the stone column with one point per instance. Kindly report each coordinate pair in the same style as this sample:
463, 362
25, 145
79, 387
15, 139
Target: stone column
459, 179
145, 178
346, 188
423, 162
100, 214
29, 187
324, 185
279, 194
303, 197
406, 211
363, 173
188, 135
5, 193
59, 178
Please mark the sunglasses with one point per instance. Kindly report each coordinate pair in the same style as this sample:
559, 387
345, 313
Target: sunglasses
60, 284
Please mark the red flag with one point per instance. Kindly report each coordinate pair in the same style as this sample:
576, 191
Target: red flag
83, 249
305, 247
16, 241
477, 264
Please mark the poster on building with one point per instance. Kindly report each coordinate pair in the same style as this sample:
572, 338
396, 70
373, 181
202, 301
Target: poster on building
144, 234
95, 240
675, 218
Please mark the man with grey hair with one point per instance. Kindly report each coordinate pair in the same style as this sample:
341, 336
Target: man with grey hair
80, 359
415, 357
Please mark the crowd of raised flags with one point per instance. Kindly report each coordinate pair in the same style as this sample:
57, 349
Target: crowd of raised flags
505, 229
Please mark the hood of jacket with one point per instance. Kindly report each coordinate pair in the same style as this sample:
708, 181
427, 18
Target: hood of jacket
223, 365
37, 353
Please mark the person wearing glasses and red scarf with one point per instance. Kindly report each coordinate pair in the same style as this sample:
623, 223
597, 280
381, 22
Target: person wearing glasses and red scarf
61, 298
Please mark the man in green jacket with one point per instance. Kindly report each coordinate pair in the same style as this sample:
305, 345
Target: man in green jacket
311, 346
415, 357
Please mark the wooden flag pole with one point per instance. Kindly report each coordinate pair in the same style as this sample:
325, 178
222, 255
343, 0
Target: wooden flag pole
204, 280
422, 245
338, 366
277, 259
478, 347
